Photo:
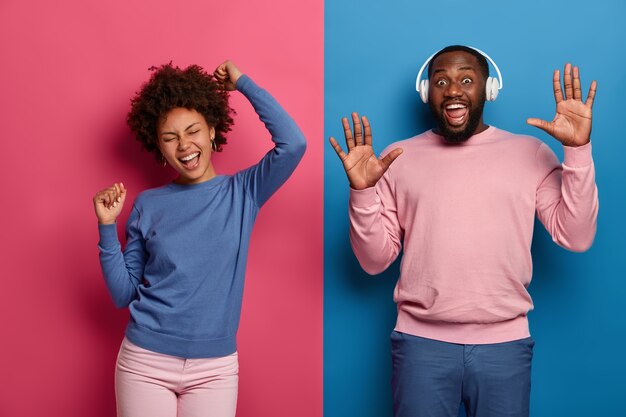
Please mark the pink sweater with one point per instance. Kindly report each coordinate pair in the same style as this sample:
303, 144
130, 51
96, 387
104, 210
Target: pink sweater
465, 215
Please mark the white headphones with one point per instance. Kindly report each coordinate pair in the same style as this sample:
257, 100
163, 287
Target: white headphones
491, 86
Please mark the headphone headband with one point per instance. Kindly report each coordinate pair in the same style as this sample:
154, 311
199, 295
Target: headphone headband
419, 84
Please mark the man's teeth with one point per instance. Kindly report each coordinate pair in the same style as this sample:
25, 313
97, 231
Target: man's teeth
455, 106
190, 157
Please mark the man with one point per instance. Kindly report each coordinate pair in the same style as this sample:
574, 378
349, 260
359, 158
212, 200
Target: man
461, 202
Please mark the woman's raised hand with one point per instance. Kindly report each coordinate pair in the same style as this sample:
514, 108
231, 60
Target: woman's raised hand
227, 75
108, 203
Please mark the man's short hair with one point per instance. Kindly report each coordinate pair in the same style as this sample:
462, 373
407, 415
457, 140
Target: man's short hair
482, 61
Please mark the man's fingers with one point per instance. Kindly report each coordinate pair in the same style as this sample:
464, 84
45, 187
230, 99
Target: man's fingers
592, 94
333, 142
347, 132
567, 81
540, 123
390, 157
367, 130
576, 81
556, 84
358, 130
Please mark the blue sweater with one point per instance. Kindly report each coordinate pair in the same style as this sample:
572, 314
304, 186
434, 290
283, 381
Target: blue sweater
182, 271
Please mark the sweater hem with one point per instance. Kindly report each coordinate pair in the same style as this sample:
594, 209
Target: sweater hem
464, 333
178, 346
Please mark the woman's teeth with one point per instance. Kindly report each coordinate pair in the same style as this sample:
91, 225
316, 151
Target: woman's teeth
189, 157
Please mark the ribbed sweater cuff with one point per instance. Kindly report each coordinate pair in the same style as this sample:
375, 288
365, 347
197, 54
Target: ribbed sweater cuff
108, 235
577, 157
364, 198
245, 85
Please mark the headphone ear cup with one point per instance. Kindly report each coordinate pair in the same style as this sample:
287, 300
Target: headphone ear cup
491, 88
424, 90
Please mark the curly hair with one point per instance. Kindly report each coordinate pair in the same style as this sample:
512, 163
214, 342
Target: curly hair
170, 87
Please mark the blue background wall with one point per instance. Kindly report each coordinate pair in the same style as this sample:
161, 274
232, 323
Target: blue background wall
373, 50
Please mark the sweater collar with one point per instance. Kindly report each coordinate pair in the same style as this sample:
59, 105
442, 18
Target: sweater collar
213, 182
486, 136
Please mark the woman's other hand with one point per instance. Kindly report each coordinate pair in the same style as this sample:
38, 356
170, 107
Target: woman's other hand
108, 203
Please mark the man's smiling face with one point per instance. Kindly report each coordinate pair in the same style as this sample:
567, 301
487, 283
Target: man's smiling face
456, 95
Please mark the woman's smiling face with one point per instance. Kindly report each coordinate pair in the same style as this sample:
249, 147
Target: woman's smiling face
184, 139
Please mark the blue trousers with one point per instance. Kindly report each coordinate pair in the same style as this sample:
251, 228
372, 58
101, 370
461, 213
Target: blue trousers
432, 378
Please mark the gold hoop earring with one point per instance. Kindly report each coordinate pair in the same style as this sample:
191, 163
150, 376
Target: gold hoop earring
163, 161
213, 145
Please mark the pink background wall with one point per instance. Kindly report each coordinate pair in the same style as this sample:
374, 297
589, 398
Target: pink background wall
68, 71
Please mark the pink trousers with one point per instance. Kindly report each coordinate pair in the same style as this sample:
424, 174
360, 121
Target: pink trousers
157, 385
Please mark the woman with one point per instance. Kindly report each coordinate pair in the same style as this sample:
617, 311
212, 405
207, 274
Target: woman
182, 271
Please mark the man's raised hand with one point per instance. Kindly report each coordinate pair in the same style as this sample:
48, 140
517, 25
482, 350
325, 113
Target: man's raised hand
362, 166
572, 123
